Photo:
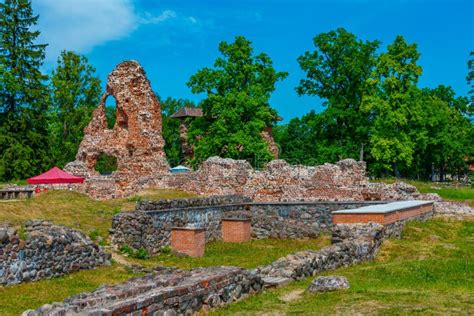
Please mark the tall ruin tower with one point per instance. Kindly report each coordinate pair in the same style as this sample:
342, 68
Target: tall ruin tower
135, 141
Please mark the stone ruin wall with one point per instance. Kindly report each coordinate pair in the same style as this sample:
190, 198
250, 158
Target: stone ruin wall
137, 143
149, 226
279, 181
47, 251
135, 140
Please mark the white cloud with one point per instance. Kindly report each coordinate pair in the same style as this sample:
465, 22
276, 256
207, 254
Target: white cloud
148, 18
81, 25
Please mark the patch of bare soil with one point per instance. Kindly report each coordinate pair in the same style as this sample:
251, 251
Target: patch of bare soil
292, 296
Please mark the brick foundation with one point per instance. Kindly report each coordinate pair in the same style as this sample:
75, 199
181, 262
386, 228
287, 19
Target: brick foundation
236, 230
188, 241
382, 218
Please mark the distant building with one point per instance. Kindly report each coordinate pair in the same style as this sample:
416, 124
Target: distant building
187, 111
182, 115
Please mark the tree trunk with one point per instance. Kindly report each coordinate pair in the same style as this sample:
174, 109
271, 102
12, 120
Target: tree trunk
432, 171
361, 153
395, 170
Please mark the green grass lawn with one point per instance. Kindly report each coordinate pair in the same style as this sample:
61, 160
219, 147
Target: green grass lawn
246, 255
429, 271
76, 210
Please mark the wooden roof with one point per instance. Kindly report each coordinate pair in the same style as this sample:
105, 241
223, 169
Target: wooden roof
188, 112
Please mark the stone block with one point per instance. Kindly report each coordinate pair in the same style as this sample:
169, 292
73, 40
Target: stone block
328, 283
189, 241
236, 229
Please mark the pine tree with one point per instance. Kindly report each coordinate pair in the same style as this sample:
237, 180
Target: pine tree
23, 95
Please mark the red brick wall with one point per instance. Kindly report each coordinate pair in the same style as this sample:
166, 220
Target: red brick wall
236, 230
381, 218
188, 241
357, 218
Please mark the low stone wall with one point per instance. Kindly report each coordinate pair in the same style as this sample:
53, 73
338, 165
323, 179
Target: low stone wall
49, 250
453, 209
168, 291
345, 180
296, 219
191, 202
151, 229
352, 243
350, 251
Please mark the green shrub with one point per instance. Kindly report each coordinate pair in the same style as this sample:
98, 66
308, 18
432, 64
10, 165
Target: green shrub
166, 250
94, 234
126, 250
141, 253
22, 233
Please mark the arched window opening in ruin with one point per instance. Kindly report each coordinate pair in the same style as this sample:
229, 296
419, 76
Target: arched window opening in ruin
110, 111
106, 164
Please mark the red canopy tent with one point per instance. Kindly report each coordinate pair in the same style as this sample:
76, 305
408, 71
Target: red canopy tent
55, 175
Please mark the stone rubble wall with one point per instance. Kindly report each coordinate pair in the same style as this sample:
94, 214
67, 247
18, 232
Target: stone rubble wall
49, 250
135, 140
169, 291
306, 263
453, 209
151, 229
278, 181
351, 244
190, 202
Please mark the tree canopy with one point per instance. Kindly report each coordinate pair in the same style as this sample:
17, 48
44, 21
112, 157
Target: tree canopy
24, 94
236, 107
75, 92
337, 72
403, 129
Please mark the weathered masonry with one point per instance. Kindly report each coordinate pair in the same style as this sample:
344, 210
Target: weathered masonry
173, 291
150, 225
135, 141
47, 251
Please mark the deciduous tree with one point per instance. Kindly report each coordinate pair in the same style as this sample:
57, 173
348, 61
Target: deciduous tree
236, 108
75, 92
392, 105
337, 71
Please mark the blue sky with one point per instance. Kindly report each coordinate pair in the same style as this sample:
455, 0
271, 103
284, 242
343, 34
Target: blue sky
173, 39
